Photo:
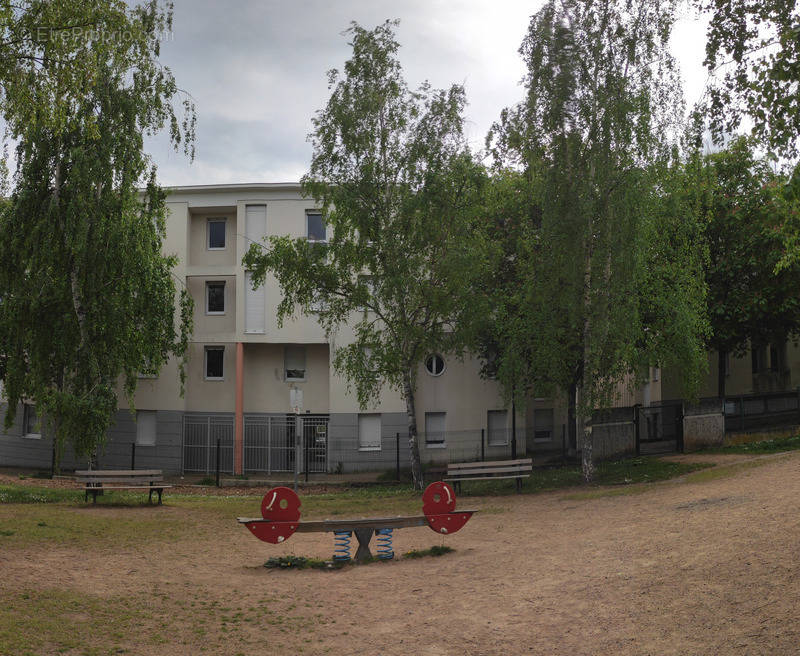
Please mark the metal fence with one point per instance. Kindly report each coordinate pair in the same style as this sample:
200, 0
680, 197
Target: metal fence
271, 444
754, 411
200, 435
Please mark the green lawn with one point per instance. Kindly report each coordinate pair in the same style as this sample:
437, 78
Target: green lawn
775, 445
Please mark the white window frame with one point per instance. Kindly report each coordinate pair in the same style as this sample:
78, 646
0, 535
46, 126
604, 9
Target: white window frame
443, 443
208, 297
140, 425
25, 410
286, 377
489, 441
206, 349
444, 364
308, 238
209, 221
366, 445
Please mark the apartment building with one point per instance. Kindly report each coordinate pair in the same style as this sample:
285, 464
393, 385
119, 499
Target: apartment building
268, 394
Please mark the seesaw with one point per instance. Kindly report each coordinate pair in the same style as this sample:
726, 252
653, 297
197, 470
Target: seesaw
280, 519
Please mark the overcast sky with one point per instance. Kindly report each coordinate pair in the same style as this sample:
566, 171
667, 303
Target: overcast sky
256, 70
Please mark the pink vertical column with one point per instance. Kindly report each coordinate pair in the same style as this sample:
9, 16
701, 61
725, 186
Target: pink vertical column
238, 441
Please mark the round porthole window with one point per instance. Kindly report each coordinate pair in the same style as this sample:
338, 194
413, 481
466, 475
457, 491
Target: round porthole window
434, 364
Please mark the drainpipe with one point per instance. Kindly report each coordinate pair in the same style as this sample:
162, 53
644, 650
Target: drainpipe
238, 442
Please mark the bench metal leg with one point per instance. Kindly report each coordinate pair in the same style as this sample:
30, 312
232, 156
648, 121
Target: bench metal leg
519, 485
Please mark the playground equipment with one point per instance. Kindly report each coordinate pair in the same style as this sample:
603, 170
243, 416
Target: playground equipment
280, 519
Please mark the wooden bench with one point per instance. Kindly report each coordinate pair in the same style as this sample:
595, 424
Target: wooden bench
474, 471
97, 481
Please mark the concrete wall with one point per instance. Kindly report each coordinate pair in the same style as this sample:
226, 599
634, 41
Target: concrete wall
199, 253
614, 433
265, 389
703, 425
19, 451
213, 326
343, 443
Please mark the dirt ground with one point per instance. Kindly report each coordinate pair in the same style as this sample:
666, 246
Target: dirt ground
705, 567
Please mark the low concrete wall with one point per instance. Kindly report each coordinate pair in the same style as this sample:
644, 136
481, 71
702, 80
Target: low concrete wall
703, 425
37, 453
614, 433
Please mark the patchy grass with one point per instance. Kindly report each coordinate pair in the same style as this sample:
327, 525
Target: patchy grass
619, 472
36, 621
774, 445
57, 621
435, 550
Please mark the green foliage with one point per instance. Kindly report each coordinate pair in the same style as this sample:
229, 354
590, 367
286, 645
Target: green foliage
435, 550
753, 297
398, 188
88, 298
609, 281
753, 54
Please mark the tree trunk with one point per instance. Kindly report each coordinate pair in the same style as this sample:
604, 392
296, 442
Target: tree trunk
572, 419
723, 356
413, 442
584, 422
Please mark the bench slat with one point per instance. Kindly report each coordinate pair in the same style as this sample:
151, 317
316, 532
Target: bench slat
499, 463
485, 478
119, 472
107, 488
486, 470
122, 481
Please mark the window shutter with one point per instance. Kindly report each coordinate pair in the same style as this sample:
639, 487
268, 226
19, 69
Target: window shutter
256, 223
369, 432
145, 427
254, 306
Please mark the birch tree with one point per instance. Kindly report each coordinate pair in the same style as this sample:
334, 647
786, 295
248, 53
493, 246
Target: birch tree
606, 293
397, 185
86, 296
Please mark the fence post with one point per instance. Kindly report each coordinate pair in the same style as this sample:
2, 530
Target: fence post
53, 460
298, 433
218, 448
483, 448
305, 453
636, 429
208, 444
741, 413
563, 444
397, 458
133, 456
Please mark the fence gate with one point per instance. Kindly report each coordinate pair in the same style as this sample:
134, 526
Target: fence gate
659, 428
271, 444
200, 435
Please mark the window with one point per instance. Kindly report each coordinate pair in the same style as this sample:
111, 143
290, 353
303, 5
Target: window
369, 432
434, 364
30, 421
255, 228
434, 429
215, 298
255, 300
295, 363
145, 427
543, 425
216, 234
316, 229
497, 421
215, 357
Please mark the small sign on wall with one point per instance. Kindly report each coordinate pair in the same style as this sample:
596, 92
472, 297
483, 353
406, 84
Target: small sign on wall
296, 400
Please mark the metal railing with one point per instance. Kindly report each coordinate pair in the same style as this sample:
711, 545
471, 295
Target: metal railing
200, 436
753, 411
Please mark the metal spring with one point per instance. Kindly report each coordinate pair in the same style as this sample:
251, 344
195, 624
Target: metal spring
383, 538
341, 541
